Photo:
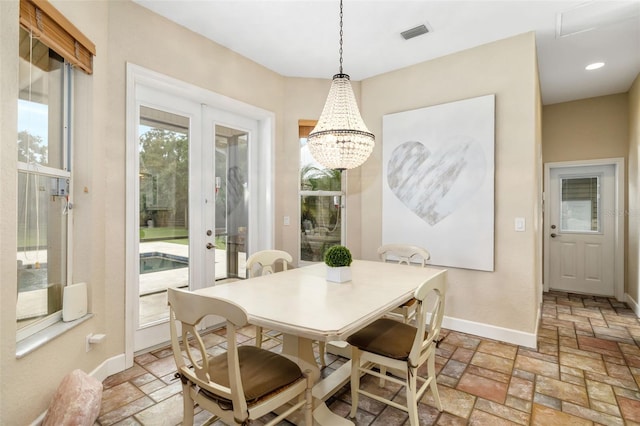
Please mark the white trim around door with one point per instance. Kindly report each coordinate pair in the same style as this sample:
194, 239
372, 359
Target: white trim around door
261, 174
617, 215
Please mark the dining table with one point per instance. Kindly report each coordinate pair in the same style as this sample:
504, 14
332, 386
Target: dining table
305, 307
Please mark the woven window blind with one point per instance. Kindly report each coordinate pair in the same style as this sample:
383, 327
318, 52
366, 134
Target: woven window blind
53, 29
305, 127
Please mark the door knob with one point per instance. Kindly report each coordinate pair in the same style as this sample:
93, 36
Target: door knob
209, 246
553, 235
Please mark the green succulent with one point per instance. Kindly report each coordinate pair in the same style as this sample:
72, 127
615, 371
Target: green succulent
337, 256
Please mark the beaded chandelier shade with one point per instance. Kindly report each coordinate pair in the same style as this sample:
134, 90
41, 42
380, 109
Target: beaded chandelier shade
340, 140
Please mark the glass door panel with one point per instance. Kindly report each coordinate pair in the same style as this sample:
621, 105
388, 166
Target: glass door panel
580, 205
164, 210
232, 201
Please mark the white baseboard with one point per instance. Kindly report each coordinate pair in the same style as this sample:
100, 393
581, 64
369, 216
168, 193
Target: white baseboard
632, 304
109, 367
502, 334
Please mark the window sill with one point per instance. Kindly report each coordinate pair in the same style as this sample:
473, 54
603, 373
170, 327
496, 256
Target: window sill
33, 342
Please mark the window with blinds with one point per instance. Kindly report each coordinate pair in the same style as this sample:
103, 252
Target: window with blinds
51, 28
50, 50
580, 204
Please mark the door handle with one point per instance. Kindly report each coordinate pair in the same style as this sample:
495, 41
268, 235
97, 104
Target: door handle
209, 246
553, 235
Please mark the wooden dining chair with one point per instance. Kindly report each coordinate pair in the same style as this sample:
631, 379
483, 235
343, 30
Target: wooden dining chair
263, 263
237, 386
401, 348
408, 255
266, 262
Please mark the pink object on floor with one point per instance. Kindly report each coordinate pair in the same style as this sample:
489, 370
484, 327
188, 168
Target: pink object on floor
76, 401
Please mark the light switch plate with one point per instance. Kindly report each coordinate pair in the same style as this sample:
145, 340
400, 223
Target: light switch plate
520, 224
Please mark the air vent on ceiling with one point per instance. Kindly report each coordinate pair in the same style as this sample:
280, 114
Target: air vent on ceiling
592, 15
414, 32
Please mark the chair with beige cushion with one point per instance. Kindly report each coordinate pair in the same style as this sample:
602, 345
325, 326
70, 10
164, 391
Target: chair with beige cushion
404, 254
266, 262
402, 349
240, 385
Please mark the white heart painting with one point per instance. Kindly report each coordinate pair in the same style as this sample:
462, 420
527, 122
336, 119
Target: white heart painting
438, 171
434, 184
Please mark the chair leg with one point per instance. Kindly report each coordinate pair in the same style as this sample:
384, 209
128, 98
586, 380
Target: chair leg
258, 336
187, 403
383, 371
355, 380
322, 348
308, 409
412, 402
431, 371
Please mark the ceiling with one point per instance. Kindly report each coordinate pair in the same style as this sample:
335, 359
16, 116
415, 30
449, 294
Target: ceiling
300, 38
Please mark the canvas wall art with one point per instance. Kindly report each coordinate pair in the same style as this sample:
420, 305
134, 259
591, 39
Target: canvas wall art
438, 181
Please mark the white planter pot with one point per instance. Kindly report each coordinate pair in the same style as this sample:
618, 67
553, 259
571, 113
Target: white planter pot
339, 275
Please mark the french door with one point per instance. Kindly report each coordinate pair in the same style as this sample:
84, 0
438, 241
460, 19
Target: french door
189, 204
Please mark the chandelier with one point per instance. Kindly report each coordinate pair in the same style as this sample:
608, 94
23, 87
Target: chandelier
340, 140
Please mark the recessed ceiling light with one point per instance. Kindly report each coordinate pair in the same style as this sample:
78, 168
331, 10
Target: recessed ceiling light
594, 66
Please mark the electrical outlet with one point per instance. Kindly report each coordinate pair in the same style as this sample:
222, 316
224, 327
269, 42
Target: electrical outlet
287, 221
88, 342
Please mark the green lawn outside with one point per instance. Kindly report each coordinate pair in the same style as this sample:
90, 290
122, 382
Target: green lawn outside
173, 235
167, 234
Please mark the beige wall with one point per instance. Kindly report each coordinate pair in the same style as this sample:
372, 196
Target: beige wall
34, 377
587, 129
122, 31
8, 191
633, 254
508, 297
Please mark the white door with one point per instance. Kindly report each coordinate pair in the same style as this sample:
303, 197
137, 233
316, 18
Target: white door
191, 206
580, 230
168, 212
187, 150
227, 177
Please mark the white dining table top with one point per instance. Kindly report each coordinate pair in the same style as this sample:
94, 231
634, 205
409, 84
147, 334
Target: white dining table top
302, 302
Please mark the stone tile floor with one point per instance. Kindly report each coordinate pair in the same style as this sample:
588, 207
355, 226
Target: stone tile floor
586, 371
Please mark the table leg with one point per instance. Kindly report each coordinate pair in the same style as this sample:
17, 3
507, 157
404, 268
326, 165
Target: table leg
302, 349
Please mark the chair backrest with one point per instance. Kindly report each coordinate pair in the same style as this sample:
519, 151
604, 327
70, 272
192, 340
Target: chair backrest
264, 262
432, 290
189, 309
404, 253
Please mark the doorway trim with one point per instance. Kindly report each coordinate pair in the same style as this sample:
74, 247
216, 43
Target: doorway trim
262, 175
618, 213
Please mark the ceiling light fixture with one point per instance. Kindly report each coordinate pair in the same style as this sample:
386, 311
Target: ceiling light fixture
340, 140
594, 66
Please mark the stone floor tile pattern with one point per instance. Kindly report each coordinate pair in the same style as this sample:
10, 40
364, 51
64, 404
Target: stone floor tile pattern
585, 371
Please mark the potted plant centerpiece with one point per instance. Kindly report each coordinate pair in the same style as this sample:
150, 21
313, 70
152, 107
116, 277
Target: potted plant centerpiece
338, 260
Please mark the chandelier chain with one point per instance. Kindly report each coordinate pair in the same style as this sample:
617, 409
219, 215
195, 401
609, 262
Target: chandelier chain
340, 36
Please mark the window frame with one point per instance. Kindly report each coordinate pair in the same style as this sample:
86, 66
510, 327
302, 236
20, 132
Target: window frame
66, 145
304, 127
